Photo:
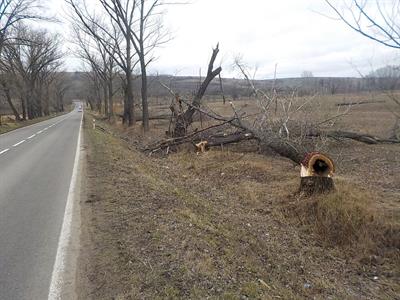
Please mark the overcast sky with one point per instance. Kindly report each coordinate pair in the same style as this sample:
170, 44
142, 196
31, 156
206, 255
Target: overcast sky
294, 34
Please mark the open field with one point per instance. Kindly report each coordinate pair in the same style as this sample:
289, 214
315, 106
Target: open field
374, 118
228, 224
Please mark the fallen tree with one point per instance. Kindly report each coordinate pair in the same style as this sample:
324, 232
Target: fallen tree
360, 137
359, 103
319, 168
152, 117
278, 126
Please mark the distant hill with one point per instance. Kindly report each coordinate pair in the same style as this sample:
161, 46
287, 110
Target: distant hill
239, 87
235, 88
186, 85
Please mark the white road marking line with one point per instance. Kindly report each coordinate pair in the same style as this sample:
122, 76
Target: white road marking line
19, 143
35, 124
54, 124
4, 151
39, 132
56, 284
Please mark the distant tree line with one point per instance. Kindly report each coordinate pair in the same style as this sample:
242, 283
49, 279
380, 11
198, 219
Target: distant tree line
378, 80
30, 62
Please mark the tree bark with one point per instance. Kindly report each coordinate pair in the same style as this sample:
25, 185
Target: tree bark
105, 99
155, 117
313, 185
110, 98
319, 168
128, 108
360, 137
129, 116
12, 106
359, 103
145, 107
46, 109
23, 106
228, 139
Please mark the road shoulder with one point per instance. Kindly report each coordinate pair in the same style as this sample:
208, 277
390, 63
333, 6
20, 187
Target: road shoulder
63, 280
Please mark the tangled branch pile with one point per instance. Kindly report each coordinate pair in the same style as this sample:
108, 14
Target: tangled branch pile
285, 123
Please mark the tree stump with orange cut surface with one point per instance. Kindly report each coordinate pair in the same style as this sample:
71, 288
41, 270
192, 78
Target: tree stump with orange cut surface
316, 173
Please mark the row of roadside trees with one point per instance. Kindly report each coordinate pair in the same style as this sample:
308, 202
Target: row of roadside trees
31, 81
116, 39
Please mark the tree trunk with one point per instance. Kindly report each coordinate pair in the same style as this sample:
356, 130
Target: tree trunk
105, 99
12, 106
110, 99
23, 106
313, 185
360, 137
283, 147
29, 108
46, 109
125, 115
316, 167
140, 50
38, 111
129, 114
90, 102
98, 103
128, 107
145, 108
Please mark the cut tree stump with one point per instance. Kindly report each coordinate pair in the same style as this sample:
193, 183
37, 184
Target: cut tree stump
316, 174
312, 185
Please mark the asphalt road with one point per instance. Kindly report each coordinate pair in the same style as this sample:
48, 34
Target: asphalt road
35, 175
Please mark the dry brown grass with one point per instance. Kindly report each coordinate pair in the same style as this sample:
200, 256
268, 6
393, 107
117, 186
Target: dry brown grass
8, 123
227, 225
349, 218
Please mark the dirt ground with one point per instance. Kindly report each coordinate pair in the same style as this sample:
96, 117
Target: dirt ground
228, 224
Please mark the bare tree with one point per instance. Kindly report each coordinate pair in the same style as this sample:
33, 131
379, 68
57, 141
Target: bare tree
290, 125
30, 64
12, 12
6, 86
146, 35
377, 21
115, 36
60, 86
140, 24
307, 74
91, 51
91, 91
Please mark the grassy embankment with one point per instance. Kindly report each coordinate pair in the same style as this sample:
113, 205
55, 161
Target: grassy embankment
8, 125
226, 225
